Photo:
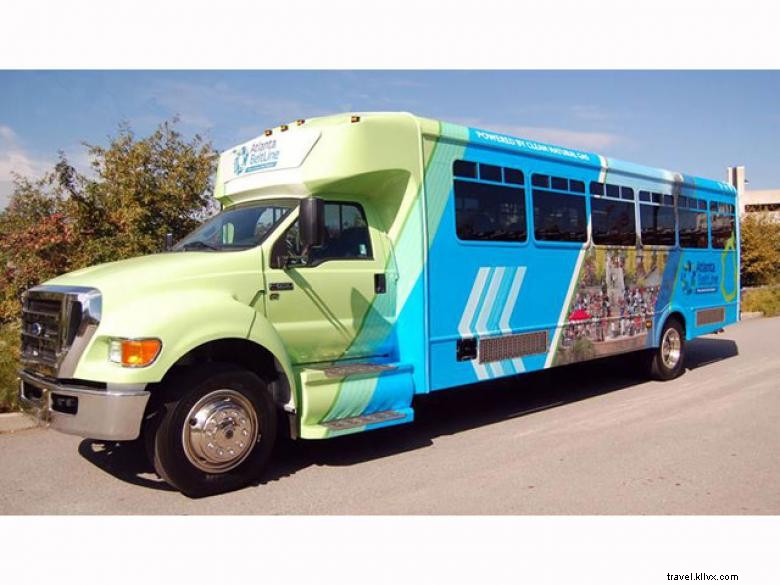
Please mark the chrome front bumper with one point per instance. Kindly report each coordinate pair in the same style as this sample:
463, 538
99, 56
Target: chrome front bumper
113, 414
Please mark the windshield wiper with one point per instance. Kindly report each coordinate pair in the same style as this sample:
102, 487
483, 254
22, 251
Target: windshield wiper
198, 244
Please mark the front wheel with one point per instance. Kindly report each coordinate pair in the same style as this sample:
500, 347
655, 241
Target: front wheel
216, 432
666, 361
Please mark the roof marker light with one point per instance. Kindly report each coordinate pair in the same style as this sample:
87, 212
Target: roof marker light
268, 132
300, 122
284, 127
355, 119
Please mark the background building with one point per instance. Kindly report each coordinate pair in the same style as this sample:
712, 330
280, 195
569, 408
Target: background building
750, 201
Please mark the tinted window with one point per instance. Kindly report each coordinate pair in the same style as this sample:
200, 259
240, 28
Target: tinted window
626, 193
560, 184
645, 196
513, 176
693, 228
725, 208
489, 173
559, 217
667, 200
613, 222
597, 188
346, 233
613, 191
722, 229
489, 212
657, 225
346, 237
576, 186
540, 181
464, 168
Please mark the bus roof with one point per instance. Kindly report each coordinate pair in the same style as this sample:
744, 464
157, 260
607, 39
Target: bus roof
495, 140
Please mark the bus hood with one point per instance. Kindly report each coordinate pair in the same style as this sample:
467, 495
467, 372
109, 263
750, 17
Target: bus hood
238, 273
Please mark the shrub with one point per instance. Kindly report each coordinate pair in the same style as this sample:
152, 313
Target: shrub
760, 250
766, 300
9, 358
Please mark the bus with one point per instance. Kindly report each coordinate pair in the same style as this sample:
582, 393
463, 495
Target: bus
361, 260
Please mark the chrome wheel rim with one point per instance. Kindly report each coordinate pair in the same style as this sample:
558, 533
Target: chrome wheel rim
220, 431
671, 346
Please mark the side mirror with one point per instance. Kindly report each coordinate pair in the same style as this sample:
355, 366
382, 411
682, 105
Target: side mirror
311, 219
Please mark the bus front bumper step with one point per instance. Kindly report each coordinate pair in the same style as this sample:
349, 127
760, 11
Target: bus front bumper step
113, 414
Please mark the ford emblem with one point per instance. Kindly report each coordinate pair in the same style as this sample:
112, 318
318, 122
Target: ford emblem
37, 329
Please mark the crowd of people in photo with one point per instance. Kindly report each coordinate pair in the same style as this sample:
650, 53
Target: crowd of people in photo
610, 310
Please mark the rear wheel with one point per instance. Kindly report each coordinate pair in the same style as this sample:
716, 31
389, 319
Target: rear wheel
217, 431
666, 361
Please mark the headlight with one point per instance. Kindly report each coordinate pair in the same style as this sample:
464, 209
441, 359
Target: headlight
134, 353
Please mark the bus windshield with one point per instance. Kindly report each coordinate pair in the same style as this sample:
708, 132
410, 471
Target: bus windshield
238, 228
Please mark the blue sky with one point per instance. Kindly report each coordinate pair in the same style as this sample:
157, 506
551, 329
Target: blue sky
693, 122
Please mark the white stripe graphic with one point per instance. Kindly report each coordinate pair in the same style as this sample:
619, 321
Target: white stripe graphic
464, 328
497, 369
490, 299
511, 300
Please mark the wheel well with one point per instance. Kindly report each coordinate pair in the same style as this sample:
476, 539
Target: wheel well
677, 316
242, 353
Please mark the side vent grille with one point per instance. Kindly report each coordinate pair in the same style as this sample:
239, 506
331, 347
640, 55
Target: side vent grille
710, 316
495, 349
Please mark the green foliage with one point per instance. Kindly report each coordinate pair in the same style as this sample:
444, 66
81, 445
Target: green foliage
139, 190
760, 250
9, 356
765, 300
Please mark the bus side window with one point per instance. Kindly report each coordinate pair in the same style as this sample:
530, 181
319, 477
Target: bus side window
613, 222
722, 229
559, 217
693, 228
657, 225
489, 212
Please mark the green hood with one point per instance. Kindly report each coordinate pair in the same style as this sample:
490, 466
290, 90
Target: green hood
169, 269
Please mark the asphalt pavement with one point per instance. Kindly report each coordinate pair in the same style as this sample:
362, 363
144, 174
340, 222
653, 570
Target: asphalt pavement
593, 438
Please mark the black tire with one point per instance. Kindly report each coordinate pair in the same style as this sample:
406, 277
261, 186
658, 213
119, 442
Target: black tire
170, 443
658, 361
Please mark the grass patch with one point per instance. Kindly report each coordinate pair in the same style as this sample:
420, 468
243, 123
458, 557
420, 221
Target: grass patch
9, 362
766, 300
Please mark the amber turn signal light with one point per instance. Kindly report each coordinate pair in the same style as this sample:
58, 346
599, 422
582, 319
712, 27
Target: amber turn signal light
134, 353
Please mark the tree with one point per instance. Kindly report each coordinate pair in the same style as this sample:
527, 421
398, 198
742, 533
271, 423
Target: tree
760, 257
139, 190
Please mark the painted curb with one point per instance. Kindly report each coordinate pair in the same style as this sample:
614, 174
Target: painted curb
16, 421
750, 315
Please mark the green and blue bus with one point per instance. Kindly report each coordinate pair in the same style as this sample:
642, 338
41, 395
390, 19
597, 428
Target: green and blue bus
361, 260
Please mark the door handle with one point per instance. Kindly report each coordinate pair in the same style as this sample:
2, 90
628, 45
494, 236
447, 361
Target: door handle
277, 286
380, 284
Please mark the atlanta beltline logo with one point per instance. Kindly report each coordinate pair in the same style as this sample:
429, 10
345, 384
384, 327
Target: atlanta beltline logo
261, 154
699, 277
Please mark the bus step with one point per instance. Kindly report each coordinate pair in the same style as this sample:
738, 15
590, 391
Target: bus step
348, 398
356, 369
363, 420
